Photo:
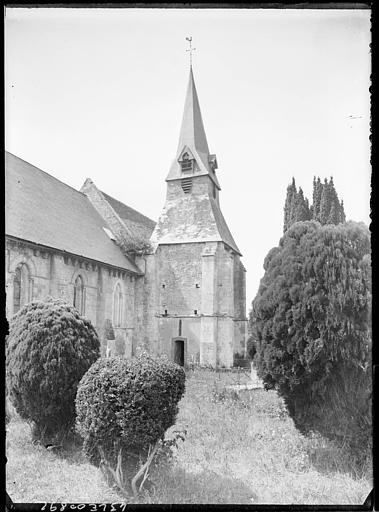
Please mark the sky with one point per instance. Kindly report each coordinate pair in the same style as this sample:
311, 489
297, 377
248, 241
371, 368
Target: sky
284, 93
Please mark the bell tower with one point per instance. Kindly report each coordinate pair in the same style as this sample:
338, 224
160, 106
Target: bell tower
199, 278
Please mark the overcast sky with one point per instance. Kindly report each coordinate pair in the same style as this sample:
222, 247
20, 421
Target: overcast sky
99, 93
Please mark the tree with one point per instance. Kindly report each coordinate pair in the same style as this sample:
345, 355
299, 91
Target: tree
316, 198
302, 208
48, 350
296, 207
325, 203
312, 319
334, 214
326, 207
289, 205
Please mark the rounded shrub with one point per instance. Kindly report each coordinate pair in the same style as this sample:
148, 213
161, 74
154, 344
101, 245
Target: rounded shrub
127, 405
48, 350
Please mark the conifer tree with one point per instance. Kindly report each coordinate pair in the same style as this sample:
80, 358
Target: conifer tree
317, 191
324, 203
289, 205
326, 207
334, 214
313, 330
302, 207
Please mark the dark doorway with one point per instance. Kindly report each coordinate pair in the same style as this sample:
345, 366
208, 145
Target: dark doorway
179, 352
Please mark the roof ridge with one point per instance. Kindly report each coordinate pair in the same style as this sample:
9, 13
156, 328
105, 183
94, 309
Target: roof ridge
45, 172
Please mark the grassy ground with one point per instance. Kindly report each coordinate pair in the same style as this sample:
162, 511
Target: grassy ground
239, 448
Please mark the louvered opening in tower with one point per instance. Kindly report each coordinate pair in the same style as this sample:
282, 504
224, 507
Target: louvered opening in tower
187, 185
186, 165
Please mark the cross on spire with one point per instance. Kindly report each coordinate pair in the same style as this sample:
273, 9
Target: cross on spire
190, 49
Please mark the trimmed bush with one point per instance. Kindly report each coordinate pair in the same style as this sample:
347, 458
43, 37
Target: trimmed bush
49, 348
128, 405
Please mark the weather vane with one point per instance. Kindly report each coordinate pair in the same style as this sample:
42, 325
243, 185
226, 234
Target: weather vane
190, 49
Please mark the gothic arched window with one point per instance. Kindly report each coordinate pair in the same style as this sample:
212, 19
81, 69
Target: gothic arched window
117, 306
79, 294
21, 287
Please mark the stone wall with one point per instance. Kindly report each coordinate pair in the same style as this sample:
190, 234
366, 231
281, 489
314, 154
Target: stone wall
176, 309
200, 185
54, 273
240, 326
195, 298
146, 332
179, 279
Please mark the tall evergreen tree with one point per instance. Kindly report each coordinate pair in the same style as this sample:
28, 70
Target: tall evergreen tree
326, 207
289, 205
302, 207
324, 203
317, 191
312, 318
334, 214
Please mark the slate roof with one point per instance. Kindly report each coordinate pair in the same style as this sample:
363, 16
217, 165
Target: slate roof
222, 227
138, 223
41, 209
192, 218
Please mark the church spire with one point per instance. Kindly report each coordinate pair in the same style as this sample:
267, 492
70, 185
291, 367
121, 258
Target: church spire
192, 139
192, 133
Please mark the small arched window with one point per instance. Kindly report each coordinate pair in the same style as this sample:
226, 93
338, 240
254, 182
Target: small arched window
21, 287
117, 306
79, 294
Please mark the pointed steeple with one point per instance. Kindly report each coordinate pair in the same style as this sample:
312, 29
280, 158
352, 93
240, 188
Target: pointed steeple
192, 213
192, 133
192, 138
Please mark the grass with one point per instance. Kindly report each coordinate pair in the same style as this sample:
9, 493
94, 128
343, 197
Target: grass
239, 448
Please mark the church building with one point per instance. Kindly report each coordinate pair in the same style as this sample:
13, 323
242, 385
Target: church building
175, 287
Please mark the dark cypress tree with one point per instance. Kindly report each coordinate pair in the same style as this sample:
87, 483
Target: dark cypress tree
334, 214
317, 191
326, 207
289, 205
302, 207
324, 203
312, 319
334, 211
